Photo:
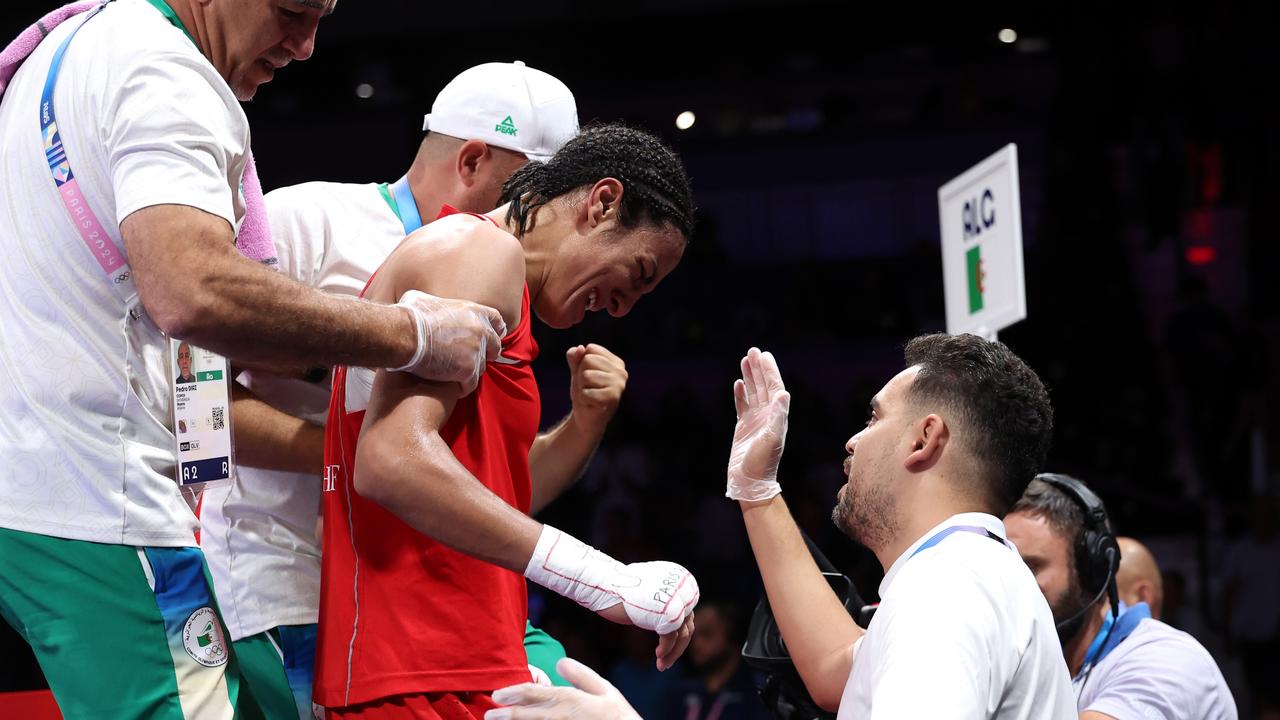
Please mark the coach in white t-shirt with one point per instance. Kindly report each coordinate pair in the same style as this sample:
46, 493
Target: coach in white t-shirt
98, 565
259, 535
1123, 665
962, 630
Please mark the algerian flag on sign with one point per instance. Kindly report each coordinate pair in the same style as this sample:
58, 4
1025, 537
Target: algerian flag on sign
973, 262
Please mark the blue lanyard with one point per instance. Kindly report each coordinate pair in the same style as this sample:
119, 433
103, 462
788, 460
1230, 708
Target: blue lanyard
406, 206
53, 150
1091, 655
91, 230
1108, 638
945, 532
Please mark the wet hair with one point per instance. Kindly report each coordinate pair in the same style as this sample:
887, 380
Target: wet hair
999, 401
655, 187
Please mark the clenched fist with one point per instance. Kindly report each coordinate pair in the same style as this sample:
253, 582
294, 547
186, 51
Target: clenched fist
597, 379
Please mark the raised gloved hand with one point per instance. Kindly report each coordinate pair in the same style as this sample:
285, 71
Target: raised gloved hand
763, 403
590, 698
658, 596
455, 338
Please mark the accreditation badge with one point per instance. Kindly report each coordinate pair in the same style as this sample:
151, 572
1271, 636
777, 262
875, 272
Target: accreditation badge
201, 392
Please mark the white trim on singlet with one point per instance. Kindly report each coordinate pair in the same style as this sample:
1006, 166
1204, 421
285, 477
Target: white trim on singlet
355, 554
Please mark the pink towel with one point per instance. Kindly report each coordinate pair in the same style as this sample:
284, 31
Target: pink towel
254, 239
28, 39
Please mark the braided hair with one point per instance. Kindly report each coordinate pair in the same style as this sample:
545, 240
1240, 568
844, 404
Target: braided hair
656, 188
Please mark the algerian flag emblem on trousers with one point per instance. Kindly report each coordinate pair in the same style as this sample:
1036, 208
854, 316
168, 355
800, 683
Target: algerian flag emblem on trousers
202, 638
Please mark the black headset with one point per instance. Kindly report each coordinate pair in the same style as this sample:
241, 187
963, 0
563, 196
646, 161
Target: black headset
1096, 552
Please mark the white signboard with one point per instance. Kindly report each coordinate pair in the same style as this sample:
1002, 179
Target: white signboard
981, 217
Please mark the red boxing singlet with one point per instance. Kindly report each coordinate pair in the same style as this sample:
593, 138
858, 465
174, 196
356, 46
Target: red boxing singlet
399, 612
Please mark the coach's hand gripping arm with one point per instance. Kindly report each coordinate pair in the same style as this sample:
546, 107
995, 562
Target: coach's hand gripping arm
559, 456
818, 631
195, 285
404, 465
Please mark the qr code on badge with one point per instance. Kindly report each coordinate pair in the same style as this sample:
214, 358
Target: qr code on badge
219, 418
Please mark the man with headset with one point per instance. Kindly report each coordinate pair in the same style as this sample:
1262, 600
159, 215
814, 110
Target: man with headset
1123, 662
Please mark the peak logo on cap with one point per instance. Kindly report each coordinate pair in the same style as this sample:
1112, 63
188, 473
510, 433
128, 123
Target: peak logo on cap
506, 127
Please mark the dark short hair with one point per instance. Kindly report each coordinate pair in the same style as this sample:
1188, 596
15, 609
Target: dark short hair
1066, 517
1003, 409
1062, 513
655, 186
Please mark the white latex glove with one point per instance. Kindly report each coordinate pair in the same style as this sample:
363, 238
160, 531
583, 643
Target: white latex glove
455, 338
590, 698
658, 596
763, 403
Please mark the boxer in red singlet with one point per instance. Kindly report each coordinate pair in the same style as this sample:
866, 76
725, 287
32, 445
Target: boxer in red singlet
427, 535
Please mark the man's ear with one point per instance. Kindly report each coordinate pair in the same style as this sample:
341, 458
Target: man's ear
467, 161
929, 439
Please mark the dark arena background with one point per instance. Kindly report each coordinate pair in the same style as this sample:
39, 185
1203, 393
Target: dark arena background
1149, 145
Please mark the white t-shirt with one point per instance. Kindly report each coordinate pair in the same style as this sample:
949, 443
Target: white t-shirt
84, 391
1157, 673
962, 632
259, 533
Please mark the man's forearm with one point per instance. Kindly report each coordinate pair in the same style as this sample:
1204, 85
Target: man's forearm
255, 315
817, 629
433, 493
273, 440
558, 458
195, 286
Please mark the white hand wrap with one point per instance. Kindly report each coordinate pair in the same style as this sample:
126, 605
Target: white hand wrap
657, 596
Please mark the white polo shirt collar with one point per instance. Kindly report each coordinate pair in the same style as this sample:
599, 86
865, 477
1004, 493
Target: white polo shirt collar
987, 522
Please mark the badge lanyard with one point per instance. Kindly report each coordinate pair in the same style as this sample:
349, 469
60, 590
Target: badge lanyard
943, 533
200, 392
399, 198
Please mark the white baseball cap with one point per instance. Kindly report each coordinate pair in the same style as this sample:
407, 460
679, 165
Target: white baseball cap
507, 105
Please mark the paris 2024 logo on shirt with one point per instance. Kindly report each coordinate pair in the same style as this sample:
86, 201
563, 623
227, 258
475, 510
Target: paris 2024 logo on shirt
203, 640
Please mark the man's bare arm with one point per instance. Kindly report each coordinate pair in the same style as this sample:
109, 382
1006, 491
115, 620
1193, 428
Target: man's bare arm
817, 629
270, 439
196, 286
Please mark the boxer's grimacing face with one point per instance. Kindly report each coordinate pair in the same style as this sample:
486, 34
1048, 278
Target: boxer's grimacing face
610, 268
